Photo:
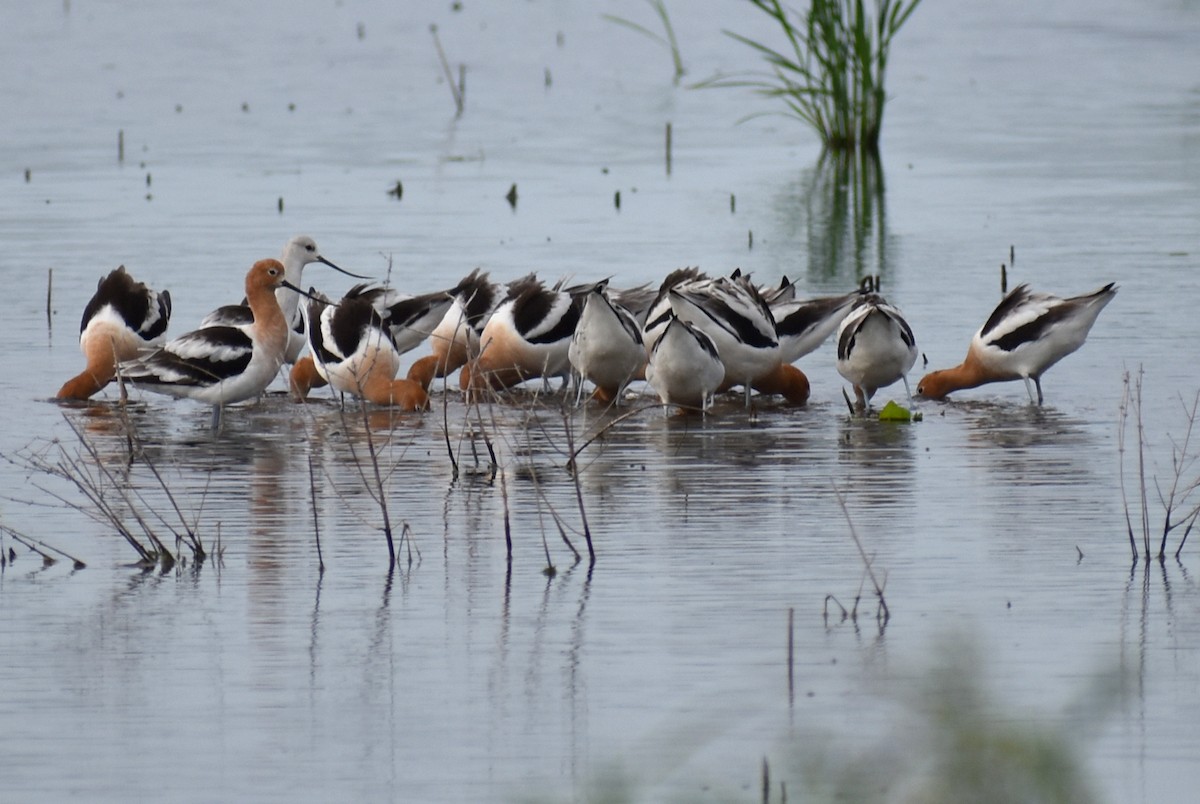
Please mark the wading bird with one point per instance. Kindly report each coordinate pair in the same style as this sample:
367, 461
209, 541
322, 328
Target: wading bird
122, 320
1025, 335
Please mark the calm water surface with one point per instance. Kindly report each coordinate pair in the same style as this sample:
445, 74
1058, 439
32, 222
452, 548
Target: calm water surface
1067, 130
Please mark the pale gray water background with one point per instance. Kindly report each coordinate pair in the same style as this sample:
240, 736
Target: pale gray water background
1068, 129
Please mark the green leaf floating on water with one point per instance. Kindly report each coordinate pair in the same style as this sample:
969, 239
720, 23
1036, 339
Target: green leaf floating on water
897, 413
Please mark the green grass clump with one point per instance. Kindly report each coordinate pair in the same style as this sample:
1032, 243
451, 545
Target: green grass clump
831, 72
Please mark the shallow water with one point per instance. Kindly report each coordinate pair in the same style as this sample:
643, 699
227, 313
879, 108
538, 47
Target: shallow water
1066, 130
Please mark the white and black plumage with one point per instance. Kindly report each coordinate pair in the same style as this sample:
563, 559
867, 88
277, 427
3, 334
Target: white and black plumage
607, 347
654, 322
1025, 335
300, 251
455, 340
123, 319
876, 347
356, 344
527, 336
221, 365
803, 325
637, 300
733, 314
685, 367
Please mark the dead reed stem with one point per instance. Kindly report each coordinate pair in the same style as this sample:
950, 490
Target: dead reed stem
1179, 510
75, 471
1141, 430
1124, 418
456, 89
446, 433
45, 550
791, 655
1181, 489
825, 608
574, 453
587, 532
408, 544
379, 494
188, 535
507, 519
109, 499
883, 613
312, 488
374, 484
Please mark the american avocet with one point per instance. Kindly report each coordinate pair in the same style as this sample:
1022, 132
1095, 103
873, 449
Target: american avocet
781, 294
734, 315
876, 347
654, 322
636, 300
527, 336
1026, 334
123, 319
607, 347
684, 368
802, 326
356, 344
221, 365
300, 251
456, 339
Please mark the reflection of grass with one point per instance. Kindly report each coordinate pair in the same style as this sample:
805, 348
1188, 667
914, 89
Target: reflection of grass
667, 41
844, 209
974, 749
962, 746
831, 73
957, 744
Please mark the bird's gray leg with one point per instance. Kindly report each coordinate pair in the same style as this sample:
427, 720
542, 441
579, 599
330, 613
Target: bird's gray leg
1029, 389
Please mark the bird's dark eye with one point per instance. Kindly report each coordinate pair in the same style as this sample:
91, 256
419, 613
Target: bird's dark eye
310, 247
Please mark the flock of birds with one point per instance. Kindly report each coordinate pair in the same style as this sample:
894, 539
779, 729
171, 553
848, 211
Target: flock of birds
689, 339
